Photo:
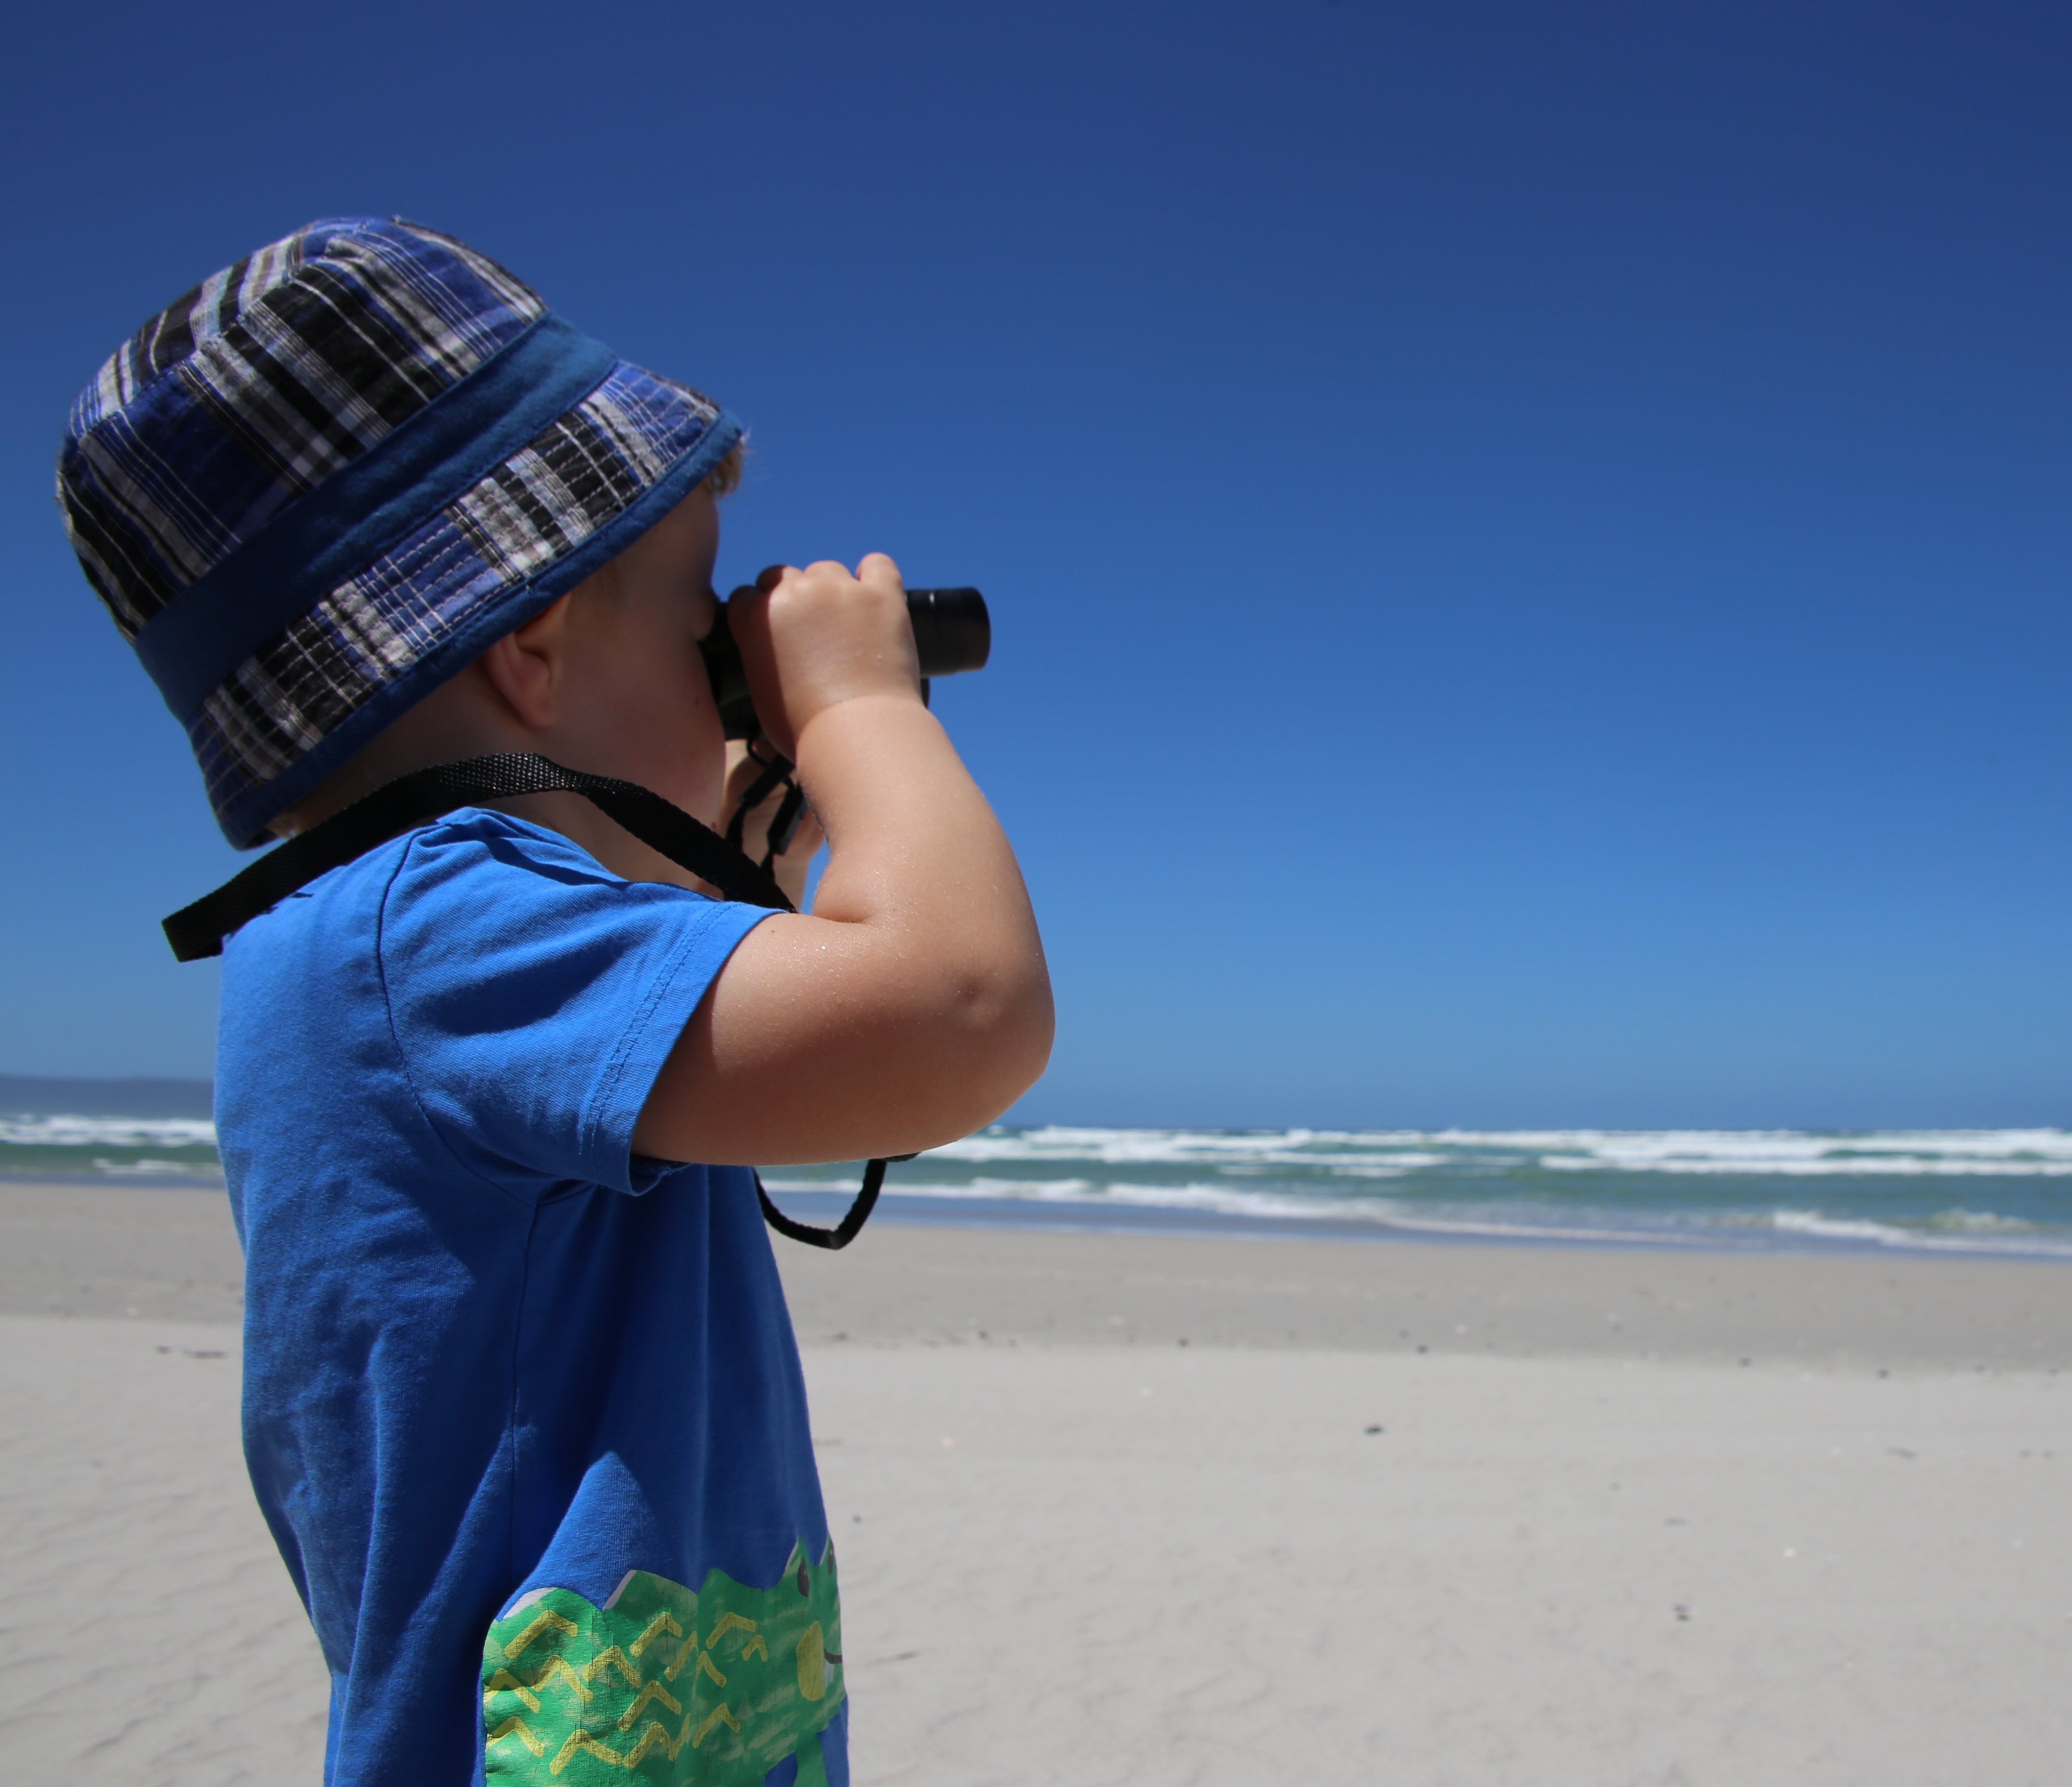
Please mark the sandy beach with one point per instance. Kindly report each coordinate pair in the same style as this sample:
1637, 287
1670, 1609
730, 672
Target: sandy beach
1172, 1510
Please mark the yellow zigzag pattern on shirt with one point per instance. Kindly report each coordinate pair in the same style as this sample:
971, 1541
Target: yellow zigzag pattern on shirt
653, 1738
633, 1686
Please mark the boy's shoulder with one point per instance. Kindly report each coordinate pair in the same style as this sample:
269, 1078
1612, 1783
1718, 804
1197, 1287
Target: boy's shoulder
481, 844
482, 917
486, 973
480, 907
432, 915
473, 869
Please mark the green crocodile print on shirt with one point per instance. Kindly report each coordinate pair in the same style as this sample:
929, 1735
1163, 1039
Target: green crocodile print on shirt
710, 1689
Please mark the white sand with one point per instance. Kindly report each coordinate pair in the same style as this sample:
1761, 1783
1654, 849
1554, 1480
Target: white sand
148, 1632
1226, 1580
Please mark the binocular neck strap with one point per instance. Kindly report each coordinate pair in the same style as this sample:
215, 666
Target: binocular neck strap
197, 931
778, 771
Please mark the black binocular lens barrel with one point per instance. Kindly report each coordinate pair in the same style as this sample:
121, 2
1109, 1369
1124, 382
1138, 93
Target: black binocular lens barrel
952, 632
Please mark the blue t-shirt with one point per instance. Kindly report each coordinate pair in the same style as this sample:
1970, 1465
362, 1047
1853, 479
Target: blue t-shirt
523, 1409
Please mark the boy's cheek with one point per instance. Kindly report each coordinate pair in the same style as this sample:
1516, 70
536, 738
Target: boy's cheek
686, 716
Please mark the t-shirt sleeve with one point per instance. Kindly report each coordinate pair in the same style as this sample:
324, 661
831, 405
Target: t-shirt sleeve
533, 995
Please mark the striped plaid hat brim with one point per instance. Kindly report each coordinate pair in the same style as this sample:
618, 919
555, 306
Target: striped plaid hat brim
318, 486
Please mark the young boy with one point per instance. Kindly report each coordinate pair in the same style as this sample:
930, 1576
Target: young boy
522, 1404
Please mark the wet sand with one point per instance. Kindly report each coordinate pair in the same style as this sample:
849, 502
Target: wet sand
1586, 1544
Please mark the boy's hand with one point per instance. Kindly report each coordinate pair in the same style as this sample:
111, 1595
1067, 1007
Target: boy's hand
913, 1004
811, 640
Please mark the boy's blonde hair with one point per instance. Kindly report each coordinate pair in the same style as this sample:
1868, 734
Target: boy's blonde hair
724, 479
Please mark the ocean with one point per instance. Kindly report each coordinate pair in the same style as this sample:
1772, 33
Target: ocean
2005, 1192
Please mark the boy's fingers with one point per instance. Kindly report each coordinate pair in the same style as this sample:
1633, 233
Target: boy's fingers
826, 570
877, 568
815, 636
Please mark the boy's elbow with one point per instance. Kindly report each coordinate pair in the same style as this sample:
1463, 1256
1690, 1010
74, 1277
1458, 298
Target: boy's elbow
994, 1044
1023, 1035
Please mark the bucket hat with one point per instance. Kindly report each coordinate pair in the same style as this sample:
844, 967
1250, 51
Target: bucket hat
314, 488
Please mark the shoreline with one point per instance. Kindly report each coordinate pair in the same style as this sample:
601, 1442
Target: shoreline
938, 1285
72, 1250
1093, 1217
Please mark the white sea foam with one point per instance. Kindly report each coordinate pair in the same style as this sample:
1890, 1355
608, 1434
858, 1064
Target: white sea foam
1366, 1153
2046, 1152
1569, 1185
143, 1168
1818, 1166
1956, 1231
1536, 1184
1886, 1234
1220, 1199
1979, 1221
107, 1131
1308, 1147
1223, 1201
1363, 1154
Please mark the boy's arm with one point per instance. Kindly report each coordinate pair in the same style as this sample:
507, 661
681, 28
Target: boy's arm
914, 1005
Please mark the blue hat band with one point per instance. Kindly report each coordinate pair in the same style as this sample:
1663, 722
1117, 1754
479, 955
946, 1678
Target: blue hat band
334, 531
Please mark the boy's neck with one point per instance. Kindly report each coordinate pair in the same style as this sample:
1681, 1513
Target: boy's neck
458, 720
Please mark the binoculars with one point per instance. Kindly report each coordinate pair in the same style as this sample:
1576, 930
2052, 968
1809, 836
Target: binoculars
952, 632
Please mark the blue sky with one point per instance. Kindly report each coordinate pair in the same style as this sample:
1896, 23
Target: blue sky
1529, 545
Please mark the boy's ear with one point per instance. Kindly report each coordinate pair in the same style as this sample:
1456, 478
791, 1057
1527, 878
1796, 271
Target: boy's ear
525, 666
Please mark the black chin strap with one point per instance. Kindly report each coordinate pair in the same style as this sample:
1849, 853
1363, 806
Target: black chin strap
197, 931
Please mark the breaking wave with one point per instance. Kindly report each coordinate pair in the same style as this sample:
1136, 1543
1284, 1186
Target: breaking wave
1981, 1192
1919, 1189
